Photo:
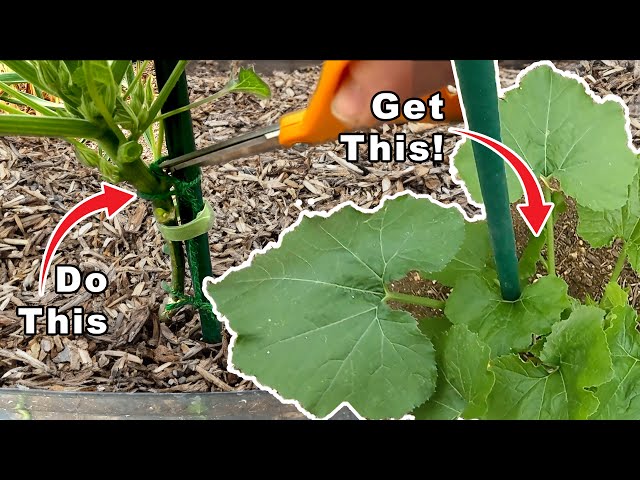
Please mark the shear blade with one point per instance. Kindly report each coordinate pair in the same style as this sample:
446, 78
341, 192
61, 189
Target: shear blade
247, 145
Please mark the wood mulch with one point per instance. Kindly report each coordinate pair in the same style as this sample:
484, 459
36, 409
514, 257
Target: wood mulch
254, 200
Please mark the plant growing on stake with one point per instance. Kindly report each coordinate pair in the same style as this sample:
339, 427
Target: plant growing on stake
315, 327
105, 109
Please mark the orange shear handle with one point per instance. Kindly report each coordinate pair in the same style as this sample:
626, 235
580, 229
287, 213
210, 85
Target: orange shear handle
316, 124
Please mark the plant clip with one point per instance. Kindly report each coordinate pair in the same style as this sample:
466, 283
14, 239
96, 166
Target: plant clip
200, 225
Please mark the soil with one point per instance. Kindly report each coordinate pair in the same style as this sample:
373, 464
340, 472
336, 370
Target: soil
254, 200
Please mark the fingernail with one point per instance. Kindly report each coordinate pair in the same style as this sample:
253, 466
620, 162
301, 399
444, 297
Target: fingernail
347, 104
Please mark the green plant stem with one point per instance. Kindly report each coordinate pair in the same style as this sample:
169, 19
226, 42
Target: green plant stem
39, 126
620, 263
136, 80
551, 255
26, 100
178, 270
193, 105
11, 110
157, 152
176, 250
166, 89
180, 140
138, 174
414, 300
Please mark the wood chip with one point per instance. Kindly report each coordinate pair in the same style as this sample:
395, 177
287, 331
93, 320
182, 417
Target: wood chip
128, 356
213, 379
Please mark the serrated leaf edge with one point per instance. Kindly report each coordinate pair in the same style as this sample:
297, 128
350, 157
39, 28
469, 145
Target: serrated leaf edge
453, 170
277, 244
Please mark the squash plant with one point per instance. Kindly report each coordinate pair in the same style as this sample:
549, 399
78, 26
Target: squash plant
106, 108
310, 317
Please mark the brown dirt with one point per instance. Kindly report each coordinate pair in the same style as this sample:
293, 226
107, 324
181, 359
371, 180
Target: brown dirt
40, 180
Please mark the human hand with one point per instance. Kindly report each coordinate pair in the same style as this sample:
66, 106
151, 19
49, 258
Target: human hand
407, 78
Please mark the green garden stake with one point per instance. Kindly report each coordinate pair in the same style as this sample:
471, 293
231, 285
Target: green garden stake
478, 92
180, 140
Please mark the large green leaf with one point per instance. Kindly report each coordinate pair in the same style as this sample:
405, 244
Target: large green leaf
310, 316
575, 359
562, 132
507, 326
620, 397
463, 379
600, 228
473, 257
465, 164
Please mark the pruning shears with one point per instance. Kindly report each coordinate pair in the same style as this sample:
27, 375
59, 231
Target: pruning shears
313, 125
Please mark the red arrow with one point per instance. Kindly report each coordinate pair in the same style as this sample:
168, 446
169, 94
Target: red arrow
535, 211
112, 199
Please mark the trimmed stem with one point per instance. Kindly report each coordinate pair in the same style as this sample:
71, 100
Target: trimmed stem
414, 300
620, 263
551, 254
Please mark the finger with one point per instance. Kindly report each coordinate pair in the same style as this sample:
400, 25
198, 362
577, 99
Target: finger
352, 102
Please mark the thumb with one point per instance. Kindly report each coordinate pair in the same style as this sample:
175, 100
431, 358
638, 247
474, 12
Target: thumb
352, 102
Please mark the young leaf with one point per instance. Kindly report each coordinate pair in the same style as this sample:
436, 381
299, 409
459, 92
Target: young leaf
118, 69
561, 132
248, 82
101, 86
317, 303
560, 202
575, 359
528, 263
619, 399
614, 296
463, 379
473, 257
507, 326
434, 326
87, 156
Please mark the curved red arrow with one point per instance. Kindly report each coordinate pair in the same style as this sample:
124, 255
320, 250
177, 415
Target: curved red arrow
112, 199
535, 211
